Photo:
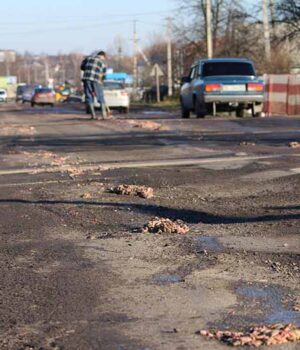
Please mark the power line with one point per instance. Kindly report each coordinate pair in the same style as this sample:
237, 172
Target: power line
95, 18
97, 25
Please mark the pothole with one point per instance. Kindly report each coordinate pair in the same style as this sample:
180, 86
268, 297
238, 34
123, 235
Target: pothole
166, 278
271, 301
209, 244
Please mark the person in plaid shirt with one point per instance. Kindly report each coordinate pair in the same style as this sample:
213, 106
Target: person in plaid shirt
94, 70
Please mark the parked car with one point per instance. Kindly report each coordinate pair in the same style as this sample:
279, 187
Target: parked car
116, 96
3, 95
20, 91
222, 84
43, 96
28, 92
150, 95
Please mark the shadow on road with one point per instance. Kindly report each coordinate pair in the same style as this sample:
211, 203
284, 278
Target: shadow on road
188, 215
288, 207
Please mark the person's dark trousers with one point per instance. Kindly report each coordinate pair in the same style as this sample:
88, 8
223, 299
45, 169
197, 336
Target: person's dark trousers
100, 98
89, 92
92, 89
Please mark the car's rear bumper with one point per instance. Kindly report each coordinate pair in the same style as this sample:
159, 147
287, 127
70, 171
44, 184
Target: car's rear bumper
234, 99
115, 103
43, 101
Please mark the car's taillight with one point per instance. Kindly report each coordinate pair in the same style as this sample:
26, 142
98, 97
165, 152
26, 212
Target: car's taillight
124, 93
213, 87
258, 87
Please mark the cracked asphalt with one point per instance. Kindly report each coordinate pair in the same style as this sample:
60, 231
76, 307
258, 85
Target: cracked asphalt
78, 273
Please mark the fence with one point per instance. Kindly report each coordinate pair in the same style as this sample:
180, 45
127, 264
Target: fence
282, 95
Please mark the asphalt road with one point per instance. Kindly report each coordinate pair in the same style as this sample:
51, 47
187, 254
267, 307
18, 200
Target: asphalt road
77, 272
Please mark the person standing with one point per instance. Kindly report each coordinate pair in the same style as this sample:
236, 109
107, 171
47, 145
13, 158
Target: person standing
94, 70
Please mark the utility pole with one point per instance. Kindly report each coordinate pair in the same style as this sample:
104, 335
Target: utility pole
120, 56
169, 54
46, 71
7, 66
272, 11
135, 51
266, 29
209, 29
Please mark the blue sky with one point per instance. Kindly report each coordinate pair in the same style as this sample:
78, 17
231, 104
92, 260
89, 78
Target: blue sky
53, 26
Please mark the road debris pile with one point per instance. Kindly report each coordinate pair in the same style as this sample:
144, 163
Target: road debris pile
297, 305
145, 125
12, 130
247, 143
86, 195
163, 225
55, 159
257, 336
133, 190
294, 144
64, 164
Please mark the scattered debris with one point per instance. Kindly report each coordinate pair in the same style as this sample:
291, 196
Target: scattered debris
162, 225
86, 196
294, 144
140, 191
297, 305
247, 143
11, 130
145, 125
91, 237
257, 336
296, 308
74, 172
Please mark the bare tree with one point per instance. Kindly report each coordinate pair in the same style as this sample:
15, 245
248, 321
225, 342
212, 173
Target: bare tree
288, 12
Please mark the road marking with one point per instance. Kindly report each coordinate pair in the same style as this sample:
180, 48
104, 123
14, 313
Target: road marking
136, 164
34, 183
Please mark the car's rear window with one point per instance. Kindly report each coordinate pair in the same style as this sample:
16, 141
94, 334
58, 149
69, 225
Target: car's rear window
21, 89
43, 91
227, 68
113, 86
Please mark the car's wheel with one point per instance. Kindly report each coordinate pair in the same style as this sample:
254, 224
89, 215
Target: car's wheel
32, 104
199, 110
185, 113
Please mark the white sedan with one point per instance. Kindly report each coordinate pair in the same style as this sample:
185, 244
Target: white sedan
3, 95
116, 96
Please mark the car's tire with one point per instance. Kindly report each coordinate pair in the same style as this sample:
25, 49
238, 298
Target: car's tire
199, 110
185, 113
32, 104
